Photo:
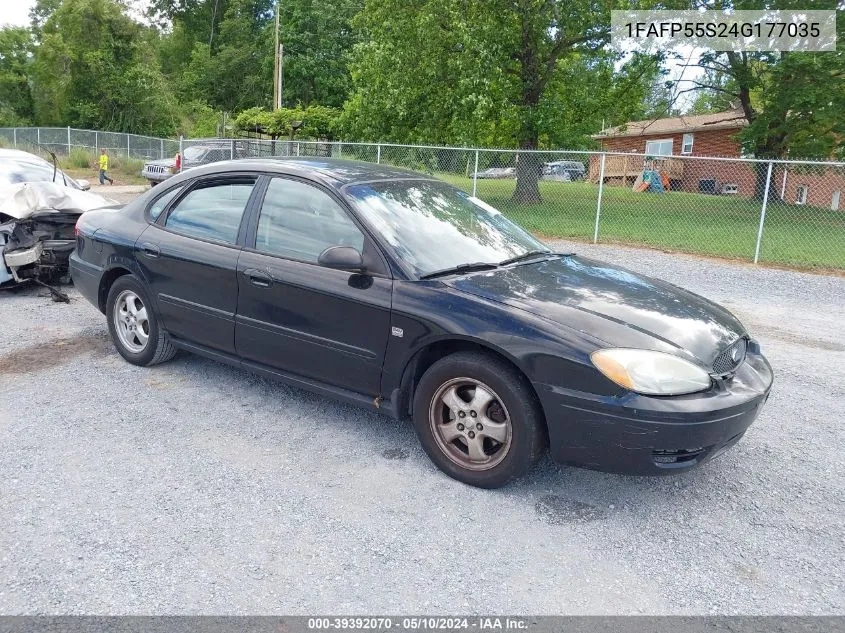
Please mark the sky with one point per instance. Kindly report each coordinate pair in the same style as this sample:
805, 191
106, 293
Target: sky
15, 12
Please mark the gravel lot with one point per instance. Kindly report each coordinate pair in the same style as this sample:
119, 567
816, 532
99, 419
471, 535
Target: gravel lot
193, 487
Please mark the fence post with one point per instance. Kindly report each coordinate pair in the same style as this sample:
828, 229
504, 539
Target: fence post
127, 146
475, 176
378, 154
297, 148
38, 135
96, 141
161, 148
783, 186
181, 157
231, 150
68, 140
15, 136
763, 213
598, 205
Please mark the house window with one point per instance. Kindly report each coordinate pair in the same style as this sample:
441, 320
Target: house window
662, 147
801, 194
686, 148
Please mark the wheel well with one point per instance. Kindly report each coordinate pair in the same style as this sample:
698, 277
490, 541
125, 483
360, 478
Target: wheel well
108, 278
430, 354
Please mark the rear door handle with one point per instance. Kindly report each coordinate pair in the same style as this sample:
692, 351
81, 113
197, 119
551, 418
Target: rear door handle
258, 277
150, 250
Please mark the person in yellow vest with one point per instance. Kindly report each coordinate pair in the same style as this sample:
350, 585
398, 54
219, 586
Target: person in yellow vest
104, 167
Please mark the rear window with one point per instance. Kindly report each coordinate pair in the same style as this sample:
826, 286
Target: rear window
162, 202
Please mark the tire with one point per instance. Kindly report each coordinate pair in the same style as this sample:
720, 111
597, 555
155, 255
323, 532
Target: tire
140, 340
509, 435
153, 183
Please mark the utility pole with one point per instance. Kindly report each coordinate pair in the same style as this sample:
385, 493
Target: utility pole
281, 73
277, 88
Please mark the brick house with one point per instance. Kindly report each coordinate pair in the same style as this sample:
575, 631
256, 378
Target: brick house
663, 144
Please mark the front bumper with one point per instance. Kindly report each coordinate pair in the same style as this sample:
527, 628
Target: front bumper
646, 435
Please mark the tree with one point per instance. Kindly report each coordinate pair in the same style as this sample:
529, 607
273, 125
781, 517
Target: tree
16, 106
792, 100
90, 70
318, 40
524, 72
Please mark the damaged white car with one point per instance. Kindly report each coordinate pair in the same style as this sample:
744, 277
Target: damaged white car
37, 221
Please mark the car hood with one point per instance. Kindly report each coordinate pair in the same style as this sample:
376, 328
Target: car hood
164, 162
612, 304
25, 199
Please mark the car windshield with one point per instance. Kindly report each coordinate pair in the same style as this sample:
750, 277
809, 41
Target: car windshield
433, 226
194, 153
14, 171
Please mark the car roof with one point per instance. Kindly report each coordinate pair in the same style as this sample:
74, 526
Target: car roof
336, 172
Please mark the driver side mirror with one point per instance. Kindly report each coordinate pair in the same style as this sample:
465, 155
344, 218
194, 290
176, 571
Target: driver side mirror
83, 184
342, 258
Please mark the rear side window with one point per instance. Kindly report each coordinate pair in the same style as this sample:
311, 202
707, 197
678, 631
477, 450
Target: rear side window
162, 202
212, 211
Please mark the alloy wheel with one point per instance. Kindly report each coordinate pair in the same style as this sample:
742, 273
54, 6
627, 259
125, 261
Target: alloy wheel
470, 424
131, 321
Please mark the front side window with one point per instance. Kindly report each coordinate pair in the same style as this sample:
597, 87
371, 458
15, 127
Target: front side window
662, 147
212, 210
432, 226
299, 221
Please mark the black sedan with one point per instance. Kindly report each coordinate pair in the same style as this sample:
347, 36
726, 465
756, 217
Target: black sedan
395, 291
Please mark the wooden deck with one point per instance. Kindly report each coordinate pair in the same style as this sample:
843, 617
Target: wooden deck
629, 167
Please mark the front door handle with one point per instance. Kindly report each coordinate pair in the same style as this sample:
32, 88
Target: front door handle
258, 277
150, 250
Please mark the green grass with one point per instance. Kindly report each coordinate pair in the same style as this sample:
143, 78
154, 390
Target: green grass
723, 226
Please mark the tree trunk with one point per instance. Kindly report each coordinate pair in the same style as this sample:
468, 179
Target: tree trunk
528, 170
528, 164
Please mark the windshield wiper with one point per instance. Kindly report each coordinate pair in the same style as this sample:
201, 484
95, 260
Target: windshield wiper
55, 164
519, 258
460, 268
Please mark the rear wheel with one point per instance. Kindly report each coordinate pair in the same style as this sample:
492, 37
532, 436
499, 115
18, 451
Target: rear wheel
134, 326
478, 419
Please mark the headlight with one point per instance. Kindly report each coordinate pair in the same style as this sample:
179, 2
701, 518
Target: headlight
652, 373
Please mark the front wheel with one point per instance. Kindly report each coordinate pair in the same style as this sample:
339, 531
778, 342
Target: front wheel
478, 419
134, 326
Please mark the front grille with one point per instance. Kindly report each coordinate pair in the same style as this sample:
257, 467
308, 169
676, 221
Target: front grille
155, 169
731, 358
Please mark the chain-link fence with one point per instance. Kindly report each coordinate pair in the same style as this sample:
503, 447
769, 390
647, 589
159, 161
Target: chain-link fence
63, 140
781, 212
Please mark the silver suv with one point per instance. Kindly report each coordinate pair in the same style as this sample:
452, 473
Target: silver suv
157, 171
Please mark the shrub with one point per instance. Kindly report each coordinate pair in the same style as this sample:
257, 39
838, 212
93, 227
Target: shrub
80, 158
